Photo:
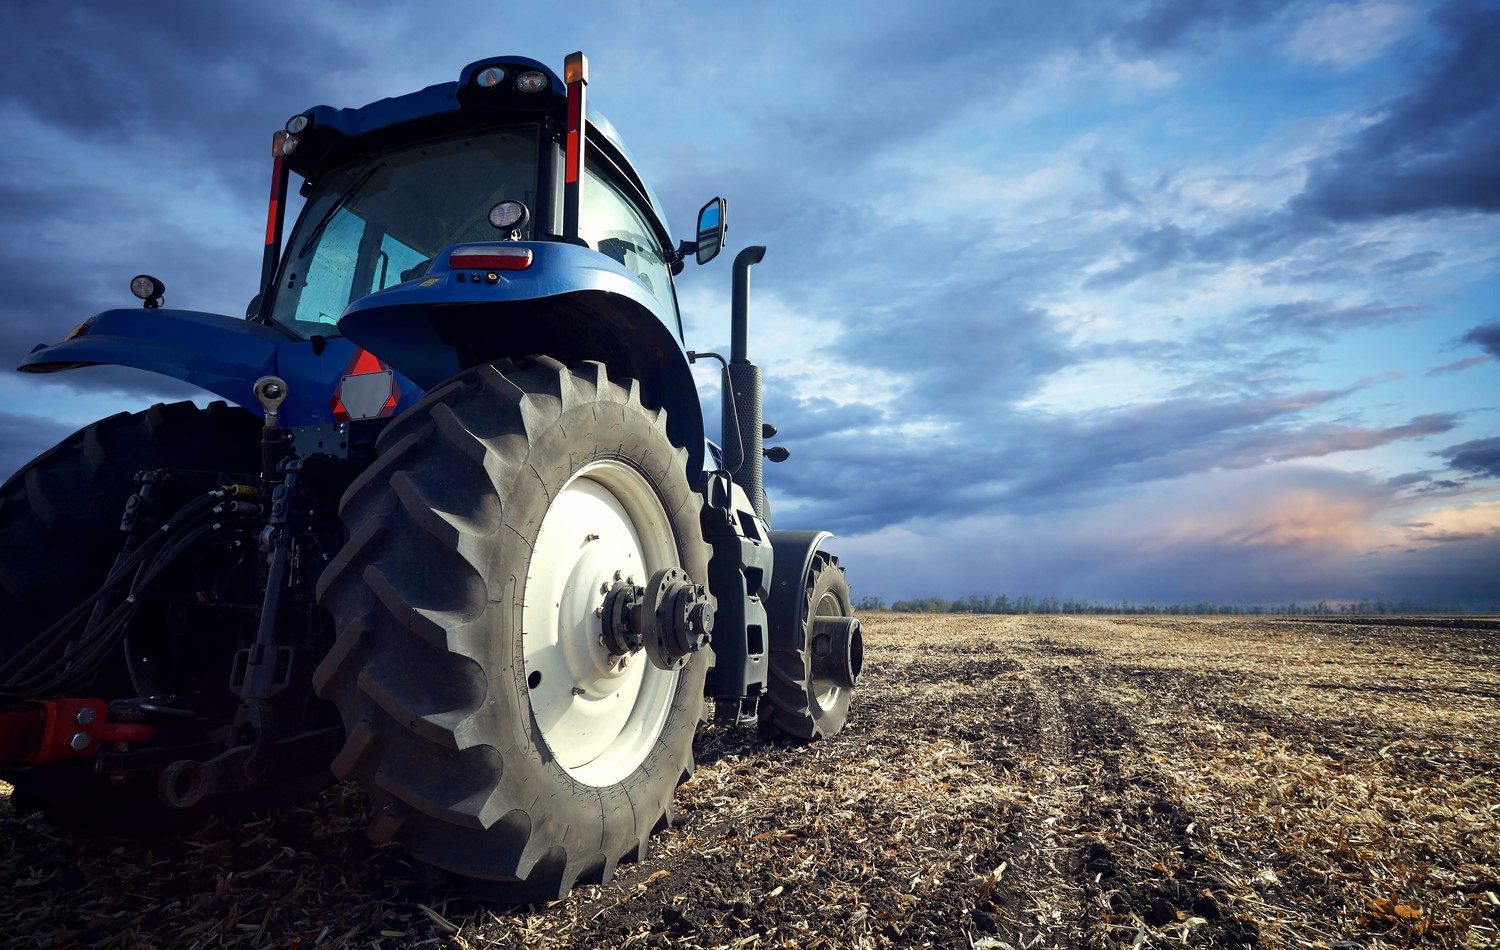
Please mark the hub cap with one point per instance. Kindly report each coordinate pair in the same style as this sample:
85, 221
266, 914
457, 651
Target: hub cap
600, 715
825, 689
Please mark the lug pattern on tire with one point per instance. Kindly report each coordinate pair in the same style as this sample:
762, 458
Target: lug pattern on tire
787, 708
412, 594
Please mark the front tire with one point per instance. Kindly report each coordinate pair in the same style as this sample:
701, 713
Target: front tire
802, 703
496, 739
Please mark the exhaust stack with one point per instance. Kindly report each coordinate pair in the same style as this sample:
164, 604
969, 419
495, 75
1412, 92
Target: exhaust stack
743, 436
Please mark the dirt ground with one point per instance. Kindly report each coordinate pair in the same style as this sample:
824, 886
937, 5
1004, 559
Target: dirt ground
1005, 782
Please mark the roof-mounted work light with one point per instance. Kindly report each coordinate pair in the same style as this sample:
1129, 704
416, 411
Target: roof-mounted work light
489, 77
532, 80
149, 289
509, 215
297, 124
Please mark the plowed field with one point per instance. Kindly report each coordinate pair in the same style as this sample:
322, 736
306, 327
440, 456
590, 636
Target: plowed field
1004, 782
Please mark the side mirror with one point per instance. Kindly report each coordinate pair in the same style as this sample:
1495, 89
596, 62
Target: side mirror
713, 222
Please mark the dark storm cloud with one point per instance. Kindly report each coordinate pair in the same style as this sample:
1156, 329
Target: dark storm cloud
1434, 148
201, 79
1027, 462
1486, 336
1480, 456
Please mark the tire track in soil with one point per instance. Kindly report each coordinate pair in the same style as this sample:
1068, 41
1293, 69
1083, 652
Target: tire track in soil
1039, 884
1143, 861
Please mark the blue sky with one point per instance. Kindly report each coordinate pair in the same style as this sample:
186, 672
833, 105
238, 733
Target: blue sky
1156, 300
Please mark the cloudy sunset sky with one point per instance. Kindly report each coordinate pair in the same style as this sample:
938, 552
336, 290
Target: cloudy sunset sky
1158, 300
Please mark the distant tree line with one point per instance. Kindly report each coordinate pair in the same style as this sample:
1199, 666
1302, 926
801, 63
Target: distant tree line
1027, 604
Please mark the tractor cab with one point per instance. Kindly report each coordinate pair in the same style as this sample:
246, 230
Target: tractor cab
503, 155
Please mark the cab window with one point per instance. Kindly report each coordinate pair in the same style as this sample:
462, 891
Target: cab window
615, 227
376, 223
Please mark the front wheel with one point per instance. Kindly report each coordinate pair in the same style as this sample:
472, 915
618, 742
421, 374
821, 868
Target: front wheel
816, 663
498, 738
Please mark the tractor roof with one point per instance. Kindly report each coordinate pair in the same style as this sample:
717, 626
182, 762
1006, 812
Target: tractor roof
338, 136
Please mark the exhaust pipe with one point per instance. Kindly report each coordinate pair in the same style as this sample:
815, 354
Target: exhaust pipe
743, 436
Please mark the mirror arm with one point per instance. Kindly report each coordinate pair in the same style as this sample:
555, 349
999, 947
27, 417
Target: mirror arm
684, 248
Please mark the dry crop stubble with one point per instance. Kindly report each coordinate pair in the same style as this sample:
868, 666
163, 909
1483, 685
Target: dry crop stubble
1004, 781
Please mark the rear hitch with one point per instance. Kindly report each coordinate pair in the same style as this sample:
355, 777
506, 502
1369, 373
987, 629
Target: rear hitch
61, 729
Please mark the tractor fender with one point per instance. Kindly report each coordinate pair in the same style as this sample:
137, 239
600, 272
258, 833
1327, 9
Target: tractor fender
571, 303
223, 355
220, 354
792, 557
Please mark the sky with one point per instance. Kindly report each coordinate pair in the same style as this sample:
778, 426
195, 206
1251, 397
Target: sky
1159, 300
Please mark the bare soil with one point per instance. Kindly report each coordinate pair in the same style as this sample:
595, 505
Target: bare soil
1004, 782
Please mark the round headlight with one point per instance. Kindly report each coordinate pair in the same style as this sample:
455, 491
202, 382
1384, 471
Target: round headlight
288, 145
490, 77
533, 80
508, 215
146, 287
297, 123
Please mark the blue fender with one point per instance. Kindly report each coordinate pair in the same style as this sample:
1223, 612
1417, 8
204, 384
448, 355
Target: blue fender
571, 303
220, 354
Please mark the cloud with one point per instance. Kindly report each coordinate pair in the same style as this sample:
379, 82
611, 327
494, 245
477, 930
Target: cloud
1487, 337
1324, 319
1460, 365
1481, 456
964, 204
1433, 148
1184, 22
1346, 35
1293, 533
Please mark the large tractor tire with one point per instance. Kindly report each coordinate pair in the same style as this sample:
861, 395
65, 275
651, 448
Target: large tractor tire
802, 701
60, 514
485, 719
59, 534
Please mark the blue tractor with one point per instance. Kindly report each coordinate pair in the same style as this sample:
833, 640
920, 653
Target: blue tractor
455, 532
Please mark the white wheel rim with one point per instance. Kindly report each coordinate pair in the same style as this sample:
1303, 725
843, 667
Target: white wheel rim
826, 691
599, 717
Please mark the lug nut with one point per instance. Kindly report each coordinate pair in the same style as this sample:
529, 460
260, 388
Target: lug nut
86, 716
79, 741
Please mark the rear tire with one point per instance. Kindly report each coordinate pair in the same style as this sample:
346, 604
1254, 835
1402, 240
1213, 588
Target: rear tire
60, 514
59, 534
798, 704
468, 645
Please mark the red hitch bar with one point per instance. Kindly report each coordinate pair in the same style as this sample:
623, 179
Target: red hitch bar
61, 729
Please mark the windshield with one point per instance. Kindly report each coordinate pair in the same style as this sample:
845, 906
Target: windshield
380, 222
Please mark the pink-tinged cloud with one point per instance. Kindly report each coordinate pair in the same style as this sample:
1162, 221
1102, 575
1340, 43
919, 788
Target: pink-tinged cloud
1270, 535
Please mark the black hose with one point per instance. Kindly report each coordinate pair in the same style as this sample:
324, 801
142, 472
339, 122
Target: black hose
61, 663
